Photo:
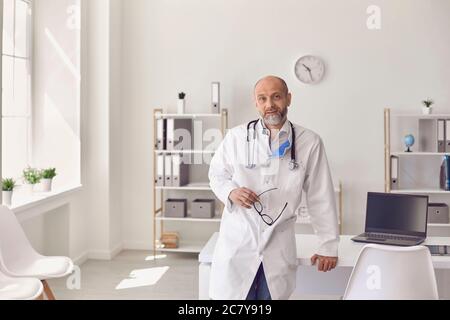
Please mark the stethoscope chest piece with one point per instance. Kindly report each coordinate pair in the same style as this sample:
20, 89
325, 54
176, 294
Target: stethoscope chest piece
293, 165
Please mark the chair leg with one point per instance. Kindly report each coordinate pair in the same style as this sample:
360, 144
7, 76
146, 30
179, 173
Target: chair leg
48, 291
41, 297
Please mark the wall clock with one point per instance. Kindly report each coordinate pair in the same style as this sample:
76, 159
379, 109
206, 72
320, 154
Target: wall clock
310, 69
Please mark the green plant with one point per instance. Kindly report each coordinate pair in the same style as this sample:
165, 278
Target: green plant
49, 173
32, 175
428, 103
8, 184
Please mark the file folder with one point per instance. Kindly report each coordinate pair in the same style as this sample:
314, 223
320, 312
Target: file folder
430, 133
161, 127
394, 172
215, 97
168, 170
447, 136
179, 134
441, 136
180, 171
159, 180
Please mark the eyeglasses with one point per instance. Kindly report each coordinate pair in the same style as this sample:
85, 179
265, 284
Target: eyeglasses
259, 208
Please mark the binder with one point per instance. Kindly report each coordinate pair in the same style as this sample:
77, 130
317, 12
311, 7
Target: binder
447, 172
161, 127
180, 172
215, 97
394, 172
447, 136
179, 134
431, 131
168, 170
159, 180
441, 136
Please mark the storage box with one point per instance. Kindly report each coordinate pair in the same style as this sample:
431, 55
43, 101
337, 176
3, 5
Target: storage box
176, 208
170, 240
438, 213
203, 208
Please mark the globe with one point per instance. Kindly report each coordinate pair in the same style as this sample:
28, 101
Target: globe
409, 142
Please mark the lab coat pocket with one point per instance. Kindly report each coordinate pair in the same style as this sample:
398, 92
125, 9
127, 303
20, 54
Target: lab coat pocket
287, 243
233, 230
295, 179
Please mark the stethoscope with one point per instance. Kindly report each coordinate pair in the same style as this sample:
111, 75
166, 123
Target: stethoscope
293, 164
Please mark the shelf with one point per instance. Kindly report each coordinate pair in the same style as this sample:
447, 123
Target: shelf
419, 154
191, 186
217, 218
421, 116
202, 187
421, 191
185, 246
443, 225
187, 116
185, 151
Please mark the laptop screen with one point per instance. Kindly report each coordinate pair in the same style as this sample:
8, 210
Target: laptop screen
397, 214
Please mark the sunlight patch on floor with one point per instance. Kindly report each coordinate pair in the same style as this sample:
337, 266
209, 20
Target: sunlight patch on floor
142, 278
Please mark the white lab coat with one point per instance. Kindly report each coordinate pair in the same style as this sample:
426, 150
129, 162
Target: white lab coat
245, 241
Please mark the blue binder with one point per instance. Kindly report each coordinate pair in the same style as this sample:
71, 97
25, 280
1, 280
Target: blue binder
445, 174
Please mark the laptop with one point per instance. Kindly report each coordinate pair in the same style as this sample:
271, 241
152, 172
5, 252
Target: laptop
395, 219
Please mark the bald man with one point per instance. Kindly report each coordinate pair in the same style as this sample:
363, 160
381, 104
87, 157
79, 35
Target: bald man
259, 172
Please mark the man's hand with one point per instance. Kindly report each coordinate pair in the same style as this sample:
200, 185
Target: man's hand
325, 264
243, 197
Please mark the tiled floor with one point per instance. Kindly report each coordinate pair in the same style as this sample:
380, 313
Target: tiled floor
99, 279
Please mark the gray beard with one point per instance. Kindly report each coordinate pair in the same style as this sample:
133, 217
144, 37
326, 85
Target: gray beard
274, 119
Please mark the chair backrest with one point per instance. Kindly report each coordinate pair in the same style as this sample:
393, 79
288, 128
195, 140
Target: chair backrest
14, 244
393, 273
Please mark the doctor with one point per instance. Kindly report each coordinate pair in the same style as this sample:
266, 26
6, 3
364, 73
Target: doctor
259, 172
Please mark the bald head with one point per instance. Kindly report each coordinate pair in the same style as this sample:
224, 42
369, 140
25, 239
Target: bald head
272, 99
273, 80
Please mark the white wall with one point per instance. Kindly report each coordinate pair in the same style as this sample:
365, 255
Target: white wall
175, 45
104, 170
1, 71
92, 218
115, 123
56, 89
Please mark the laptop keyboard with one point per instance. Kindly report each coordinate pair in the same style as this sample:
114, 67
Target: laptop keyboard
384, 236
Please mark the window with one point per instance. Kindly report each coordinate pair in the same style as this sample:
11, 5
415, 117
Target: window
16, 85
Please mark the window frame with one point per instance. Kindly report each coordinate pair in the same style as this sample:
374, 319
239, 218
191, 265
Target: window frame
29, 114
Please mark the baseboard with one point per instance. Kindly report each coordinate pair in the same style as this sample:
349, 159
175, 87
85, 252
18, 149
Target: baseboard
81, 259
117, 249
105, 254
137, 245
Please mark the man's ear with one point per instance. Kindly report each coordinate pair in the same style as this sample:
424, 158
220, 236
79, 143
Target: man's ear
254, 100
289, 99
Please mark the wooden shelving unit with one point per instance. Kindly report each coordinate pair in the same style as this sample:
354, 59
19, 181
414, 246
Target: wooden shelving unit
185, 245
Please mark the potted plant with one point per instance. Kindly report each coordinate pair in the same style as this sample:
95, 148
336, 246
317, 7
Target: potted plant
181, 103
427, 108
7, 191
32, 177
47, 176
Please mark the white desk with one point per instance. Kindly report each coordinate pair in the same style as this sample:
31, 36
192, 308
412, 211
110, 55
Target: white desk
310, 281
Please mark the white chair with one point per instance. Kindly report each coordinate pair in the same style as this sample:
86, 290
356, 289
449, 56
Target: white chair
19, 288
18, 259
392, 273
